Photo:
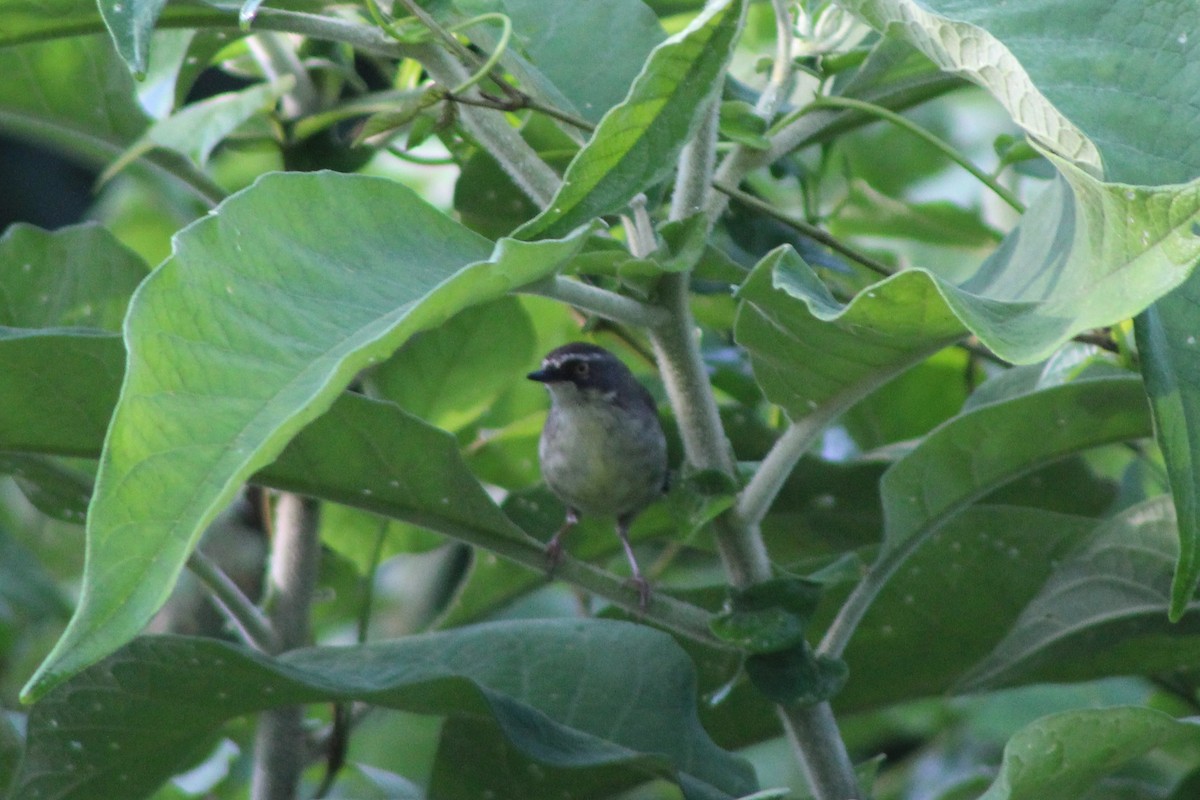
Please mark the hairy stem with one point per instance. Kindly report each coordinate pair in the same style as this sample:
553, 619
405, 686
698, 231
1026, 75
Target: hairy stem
493, 132
602, 302
280, 748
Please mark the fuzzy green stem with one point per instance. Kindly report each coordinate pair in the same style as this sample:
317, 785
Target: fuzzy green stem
696, 168
758, 495
493, 132
253, 625
814, 733
280, 751
602, 302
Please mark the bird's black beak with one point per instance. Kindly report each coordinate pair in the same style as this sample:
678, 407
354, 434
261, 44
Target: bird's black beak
540, 375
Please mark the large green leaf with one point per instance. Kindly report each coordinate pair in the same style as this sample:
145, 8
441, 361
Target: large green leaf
59, 292
808, 349
636, 143
1170, 360
122, 727
1102, 611
965, 458
1073, 74
372, 455
552, 35
58, 391
1061, 756
979, 572
73, 94
264, 313
451, 374
76, 277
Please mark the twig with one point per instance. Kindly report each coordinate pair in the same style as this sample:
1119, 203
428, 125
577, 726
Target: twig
251, 623
280, 751
899, 121
809, 230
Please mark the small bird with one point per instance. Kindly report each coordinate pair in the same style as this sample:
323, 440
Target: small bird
602, 450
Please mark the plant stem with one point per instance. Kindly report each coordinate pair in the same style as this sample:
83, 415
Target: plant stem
280, 747
253, 625
756, 498
609, 305
899, 121
809, 230
814, 734
696, 168
493, 132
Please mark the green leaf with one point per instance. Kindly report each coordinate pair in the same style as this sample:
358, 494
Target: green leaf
796, 677
1063, 755
1100, 253
72, 94
451, 374
79, 276
26, 589
374, 456
1066, 74
1102, 611
1166, 338
972, 52
636, 143
963, 460
871, 213
267, 309
131, 24
953, 600
356, 535
56, 489
807, 349
195, 130
59, 390
122, 727
769, 616
552, 35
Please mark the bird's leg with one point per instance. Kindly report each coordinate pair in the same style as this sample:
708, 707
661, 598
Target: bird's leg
554, 546
639, 582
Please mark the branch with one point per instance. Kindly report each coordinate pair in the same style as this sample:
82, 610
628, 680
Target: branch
280, 747
602, 302
251, 623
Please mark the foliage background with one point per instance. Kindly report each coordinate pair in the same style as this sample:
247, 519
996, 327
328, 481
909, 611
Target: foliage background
974, 425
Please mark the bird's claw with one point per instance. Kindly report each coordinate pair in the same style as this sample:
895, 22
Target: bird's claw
643, 589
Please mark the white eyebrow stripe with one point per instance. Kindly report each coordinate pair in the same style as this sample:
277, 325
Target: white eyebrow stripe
558, 360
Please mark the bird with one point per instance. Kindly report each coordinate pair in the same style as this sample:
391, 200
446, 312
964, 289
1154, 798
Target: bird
602, 450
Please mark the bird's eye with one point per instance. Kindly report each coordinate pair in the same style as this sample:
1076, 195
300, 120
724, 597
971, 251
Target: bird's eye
581, 369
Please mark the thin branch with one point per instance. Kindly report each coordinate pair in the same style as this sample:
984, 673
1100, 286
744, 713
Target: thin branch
814, 734
280, 751
945, 147
808, 229
758, 495
609, 305
520, 161
782, 69
696, 168
251, 623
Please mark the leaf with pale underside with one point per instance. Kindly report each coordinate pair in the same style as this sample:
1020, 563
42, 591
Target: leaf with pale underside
266, 310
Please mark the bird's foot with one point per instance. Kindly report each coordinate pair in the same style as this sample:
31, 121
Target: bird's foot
643, 589
553, 555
